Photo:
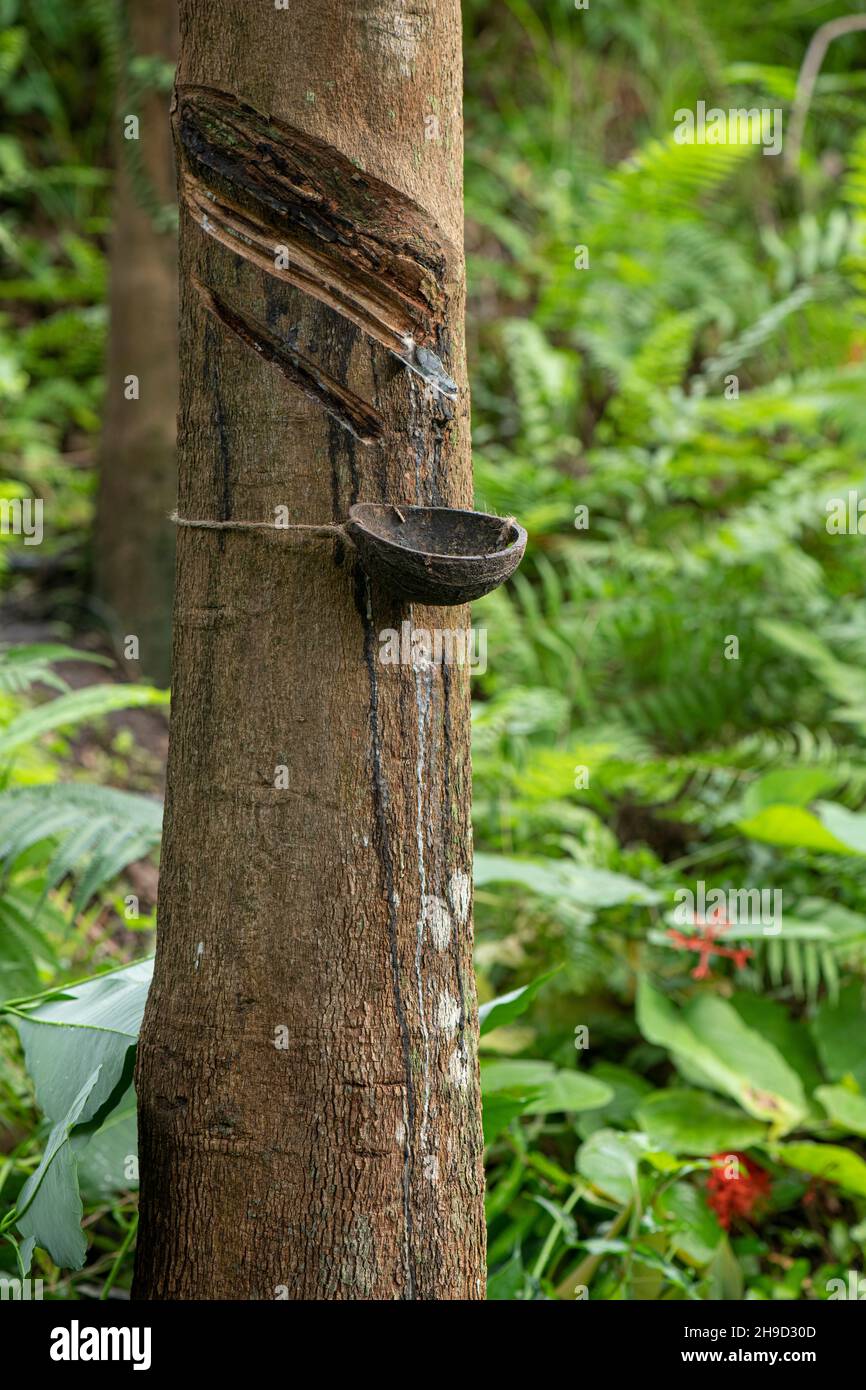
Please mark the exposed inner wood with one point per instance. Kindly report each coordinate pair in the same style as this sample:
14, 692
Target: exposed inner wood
343, 405
273, 194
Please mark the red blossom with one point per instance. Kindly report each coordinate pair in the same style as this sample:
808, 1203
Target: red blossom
705, 944
736, 1186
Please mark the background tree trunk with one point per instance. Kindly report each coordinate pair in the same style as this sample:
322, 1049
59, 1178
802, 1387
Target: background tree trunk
307, 1074
134, 544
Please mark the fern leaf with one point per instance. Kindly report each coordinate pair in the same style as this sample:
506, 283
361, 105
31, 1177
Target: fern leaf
21, 667
77, 707
95, 831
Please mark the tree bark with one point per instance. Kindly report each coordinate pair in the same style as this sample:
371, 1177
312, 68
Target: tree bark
307, 1072
134, 547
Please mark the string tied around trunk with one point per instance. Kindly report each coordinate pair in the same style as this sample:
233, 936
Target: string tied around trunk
313, 532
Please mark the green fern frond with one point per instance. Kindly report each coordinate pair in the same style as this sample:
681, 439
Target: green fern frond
92, 833
25, 949
76, 707
22, 667
747, 343
669, 177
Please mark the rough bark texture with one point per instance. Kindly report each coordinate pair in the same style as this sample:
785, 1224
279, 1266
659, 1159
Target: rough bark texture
307, 1075
134, 557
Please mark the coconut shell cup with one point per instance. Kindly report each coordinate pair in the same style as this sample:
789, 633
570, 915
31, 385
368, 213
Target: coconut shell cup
436, 555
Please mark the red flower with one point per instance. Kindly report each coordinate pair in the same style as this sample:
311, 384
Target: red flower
735, 1187
706, 946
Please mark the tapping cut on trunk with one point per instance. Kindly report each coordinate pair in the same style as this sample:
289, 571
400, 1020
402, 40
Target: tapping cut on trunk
262, 187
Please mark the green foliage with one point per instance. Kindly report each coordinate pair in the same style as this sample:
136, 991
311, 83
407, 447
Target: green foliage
62, 845
674, 424
61, 67
95, 833
79, 1049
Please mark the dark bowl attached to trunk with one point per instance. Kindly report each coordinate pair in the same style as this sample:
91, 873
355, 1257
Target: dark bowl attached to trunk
436, 555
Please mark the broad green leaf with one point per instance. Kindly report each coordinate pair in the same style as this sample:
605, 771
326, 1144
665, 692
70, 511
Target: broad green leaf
709, 1042
552, 1090
94, 1025
106, 1160
693, 1122
499, 1109
725, 1273
766, 1086
503, 1074
792, 827
642, 1284
629, 1089
498, 1012
506, 1282
847, 826
23, 1253
570, 1091
690, 1224
839, 1030
790, 1036
846, 1108
609, 1161
49, 1208
787, 787
560, 878
828, 1161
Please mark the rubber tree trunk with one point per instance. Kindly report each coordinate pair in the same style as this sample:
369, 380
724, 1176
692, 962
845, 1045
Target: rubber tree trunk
133, 544
307, 1073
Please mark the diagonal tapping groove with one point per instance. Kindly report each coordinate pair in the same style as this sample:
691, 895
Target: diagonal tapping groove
355, 415
304, 213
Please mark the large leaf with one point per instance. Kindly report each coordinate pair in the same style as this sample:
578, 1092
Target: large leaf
91, 1026
507, 1282
550, 1089
787, 787
789, 1035
498, 1012
847, 1109
562, 879
830, 1162
499, 1109
829, 828
793, 827
693, 1122
847, 826
609, 1160
690, 1224
711, 1044
629, 1089
725, 1274
49, 1208
108, 1163
79, 1047
839, 1030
